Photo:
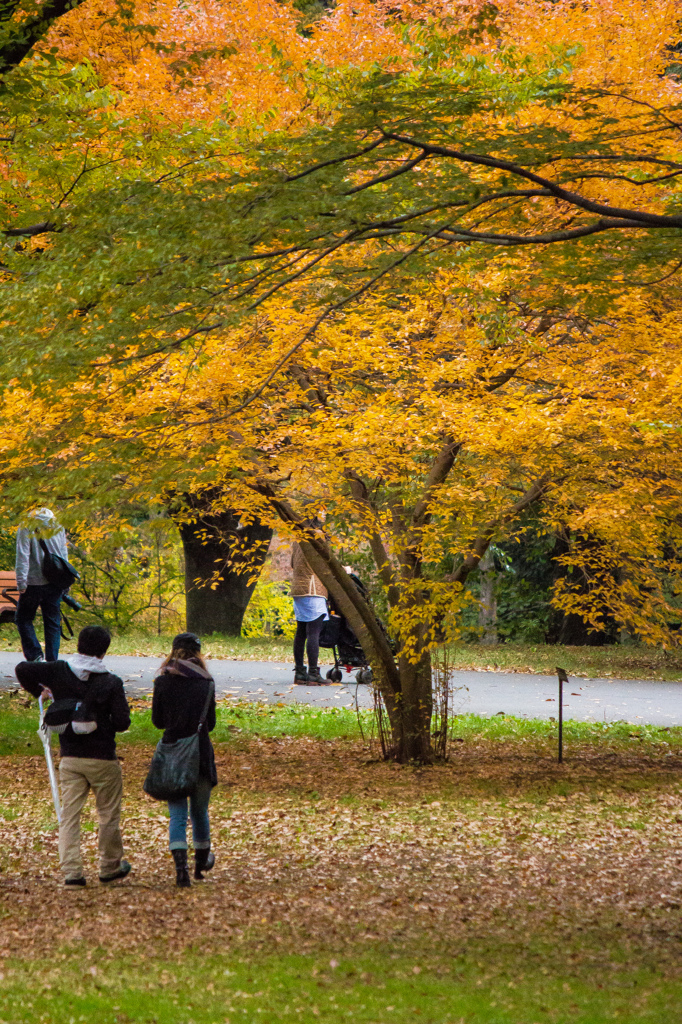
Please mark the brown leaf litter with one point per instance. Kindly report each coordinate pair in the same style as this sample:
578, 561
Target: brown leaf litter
317, 847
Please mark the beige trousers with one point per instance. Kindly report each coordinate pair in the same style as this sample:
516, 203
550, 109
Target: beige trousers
77, 776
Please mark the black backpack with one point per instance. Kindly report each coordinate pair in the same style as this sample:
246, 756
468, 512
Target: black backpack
57, 570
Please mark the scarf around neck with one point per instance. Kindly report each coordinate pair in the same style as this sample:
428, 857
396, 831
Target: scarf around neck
180, 667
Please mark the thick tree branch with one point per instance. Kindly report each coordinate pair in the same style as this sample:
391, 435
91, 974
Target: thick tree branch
348, 599
33, 229
562, 235
573, 198
360, 495
483, 540
440, 468
314, 394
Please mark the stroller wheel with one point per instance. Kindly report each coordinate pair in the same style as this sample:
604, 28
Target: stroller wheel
335, 675
364, 676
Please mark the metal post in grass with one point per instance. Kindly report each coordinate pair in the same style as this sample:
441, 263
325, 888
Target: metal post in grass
563, 678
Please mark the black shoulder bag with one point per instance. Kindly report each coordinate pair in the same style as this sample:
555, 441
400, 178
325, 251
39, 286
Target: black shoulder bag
57, 570
174, 771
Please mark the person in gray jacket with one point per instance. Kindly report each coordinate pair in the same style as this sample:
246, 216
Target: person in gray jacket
34, 590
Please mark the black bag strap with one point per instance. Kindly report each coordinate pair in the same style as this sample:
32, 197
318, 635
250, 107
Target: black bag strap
46, 550
66, 623
202, 720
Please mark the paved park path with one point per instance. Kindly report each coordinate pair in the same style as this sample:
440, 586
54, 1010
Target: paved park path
483, 693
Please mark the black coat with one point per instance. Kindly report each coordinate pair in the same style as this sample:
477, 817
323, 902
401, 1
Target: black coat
180, 694
105, 698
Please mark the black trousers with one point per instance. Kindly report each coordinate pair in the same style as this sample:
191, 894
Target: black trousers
308, 635
48, 598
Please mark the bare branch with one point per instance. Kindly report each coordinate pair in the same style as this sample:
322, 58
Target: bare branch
642, 103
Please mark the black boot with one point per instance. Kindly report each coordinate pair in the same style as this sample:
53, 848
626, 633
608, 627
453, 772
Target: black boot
315, 677
300, 674
203, 861
181, 869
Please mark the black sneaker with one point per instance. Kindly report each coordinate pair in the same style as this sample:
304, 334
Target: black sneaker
124, 869
75, 881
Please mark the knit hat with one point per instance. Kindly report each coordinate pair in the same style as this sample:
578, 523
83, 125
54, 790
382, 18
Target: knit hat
187, 642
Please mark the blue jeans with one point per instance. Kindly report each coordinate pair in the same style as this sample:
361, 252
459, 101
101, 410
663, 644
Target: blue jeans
48, 598
198, 812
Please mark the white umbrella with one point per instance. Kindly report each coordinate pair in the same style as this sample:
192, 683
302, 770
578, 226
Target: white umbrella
45, 738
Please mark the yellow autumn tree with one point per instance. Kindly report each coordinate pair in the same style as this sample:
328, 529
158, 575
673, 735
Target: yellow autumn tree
387, 308
427, 421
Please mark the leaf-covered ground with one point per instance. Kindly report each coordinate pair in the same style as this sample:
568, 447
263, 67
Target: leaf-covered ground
497, 887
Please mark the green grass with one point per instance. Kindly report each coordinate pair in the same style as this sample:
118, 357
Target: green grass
479, 986
146, 644
19, 720
626, 661
19, 723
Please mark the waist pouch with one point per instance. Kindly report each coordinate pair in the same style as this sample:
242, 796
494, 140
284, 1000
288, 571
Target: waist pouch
67, 711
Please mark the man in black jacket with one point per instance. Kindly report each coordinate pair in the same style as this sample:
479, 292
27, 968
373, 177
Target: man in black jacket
88, 755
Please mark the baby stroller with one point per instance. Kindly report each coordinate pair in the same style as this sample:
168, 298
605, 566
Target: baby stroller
339, 637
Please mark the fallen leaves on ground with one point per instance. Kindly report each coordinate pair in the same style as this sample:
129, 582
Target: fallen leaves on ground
318, 846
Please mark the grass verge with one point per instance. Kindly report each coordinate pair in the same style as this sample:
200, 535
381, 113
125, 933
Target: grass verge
372, 987
238, 722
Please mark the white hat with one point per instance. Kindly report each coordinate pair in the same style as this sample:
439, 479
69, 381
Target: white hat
45, 515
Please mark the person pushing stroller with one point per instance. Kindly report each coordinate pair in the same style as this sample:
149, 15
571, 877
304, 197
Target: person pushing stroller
310, 609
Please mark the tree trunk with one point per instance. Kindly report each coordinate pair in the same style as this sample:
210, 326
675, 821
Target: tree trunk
362, 621
217, 546
406, 687
574, 631
354, 607
416, 709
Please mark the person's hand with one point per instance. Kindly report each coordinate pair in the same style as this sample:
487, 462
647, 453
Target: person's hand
47, 693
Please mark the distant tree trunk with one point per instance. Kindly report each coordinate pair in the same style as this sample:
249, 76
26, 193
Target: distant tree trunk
575, 632
568, 627
487, 616
222, 564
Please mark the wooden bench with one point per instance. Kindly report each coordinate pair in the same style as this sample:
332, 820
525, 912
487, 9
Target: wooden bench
9, 596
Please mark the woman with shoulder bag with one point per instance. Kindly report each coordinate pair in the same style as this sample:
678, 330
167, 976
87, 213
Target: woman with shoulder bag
183, 705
